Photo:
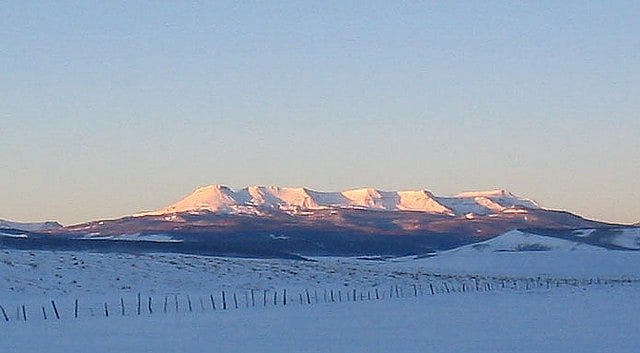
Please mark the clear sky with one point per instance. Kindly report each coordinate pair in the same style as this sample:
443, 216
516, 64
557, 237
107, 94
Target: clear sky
108, 108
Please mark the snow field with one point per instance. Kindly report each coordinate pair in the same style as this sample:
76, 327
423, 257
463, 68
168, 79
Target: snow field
146, 304
598, 319
552, 301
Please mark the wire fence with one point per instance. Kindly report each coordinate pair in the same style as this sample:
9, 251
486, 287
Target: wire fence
140, 304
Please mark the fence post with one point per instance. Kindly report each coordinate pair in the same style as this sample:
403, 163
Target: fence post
308, 297
122, 311
106, 310
4, 313
44, 313
166, 301
224, 301
150, 306
75, 309
213, 303
139, 303
55, 309
235, 300
189, 302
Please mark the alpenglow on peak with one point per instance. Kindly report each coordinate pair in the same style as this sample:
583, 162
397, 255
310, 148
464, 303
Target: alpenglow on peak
252, 199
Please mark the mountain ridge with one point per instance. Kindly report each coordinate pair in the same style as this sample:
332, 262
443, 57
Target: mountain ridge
250, 200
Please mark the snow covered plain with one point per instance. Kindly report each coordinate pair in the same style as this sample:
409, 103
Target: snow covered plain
535, 315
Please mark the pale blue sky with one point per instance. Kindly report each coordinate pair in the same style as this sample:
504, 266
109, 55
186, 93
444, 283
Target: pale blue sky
109, 108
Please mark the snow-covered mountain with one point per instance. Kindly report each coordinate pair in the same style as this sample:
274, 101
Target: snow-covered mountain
31, 227
253, 199
272, 221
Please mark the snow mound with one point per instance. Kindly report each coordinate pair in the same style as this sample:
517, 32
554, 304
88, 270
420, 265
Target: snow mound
515, 241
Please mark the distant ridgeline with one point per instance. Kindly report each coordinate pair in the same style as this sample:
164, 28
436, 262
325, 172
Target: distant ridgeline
261, 221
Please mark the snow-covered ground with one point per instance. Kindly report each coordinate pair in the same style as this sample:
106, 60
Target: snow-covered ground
602, 319
599, 314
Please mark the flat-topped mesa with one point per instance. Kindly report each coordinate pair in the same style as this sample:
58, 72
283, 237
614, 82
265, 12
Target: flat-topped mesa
222, 199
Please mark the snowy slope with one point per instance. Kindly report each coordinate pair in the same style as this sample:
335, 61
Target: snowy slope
628, 238
219, 198
517, 240
31, 227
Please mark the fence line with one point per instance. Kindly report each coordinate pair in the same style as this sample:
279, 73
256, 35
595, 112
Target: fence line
444, 284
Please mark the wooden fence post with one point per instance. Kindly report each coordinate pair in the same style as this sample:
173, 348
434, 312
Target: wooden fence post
55, 309
4, 313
